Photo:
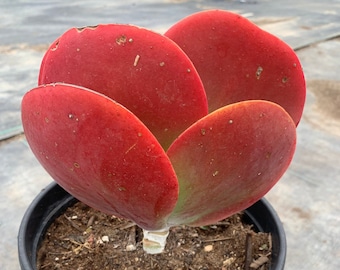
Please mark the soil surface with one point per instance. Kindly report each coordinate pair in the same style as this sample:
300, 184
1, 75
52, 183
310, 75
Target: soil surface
83, 238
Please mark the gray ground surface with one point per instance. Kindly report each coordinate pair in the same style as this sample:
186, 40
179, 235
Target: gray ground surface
307, 198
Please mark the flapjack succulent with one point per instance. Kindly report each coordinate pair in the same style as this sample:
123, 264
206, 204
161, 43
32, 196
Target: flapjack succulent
183, 128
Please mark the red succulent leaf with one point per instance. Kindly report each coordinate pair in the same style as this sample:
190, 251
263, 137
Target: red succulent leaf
228, 160
100, 152
239, 61
144, 71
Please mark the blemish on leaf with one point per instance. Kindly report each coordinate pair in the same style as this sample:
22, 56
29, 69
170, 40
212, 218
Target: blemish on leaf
121, 188
130, 40
258, 72
130, 148
162, 64
136, 60
76, 165
72, 117
231, 121
215, 173
47, 120
90, 27
203, 131
121, 40
56, 44
284, 79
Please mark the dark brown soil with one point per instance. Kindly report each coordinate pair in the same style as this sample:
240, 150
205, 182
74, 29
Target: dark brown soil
83, 238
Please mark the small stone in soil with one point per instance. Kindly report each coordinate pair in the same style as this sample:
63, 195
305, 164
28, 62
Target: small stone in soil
208, 248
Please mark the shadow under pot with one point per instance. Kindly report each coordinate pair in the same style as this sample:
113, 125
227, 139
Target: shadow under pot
52, 201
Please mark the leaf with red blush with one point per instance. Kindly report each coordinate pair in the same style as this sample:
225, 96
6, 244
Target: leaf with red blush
144, 71
238, 61
101, 153
228, 160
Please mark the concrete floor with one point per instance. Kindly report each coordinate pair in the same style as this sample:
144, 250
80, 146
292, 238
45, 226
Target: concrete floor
307, 197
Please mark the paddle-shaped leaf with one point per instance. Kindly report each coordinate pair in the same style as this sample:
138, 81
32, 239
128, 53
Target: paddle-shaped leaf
239, 61
144, 71
228, 160
100, 152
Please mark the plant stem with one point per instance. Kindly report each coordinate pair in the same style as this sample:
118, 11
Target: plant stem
154, 241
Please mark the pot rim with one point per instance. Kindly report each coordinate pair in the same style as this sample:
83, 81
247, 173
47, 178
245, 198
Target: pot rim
53, 199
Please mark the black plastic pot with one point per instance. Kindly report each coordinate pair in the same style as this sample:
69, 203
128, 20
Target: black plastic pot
53, 200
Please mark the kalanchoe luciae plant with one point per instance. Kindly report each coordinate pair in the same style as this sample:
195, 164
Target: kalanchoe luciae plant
120, 119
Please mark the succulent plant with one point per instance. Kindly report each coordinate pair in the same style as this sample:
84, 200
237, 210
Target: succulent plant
183, 128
